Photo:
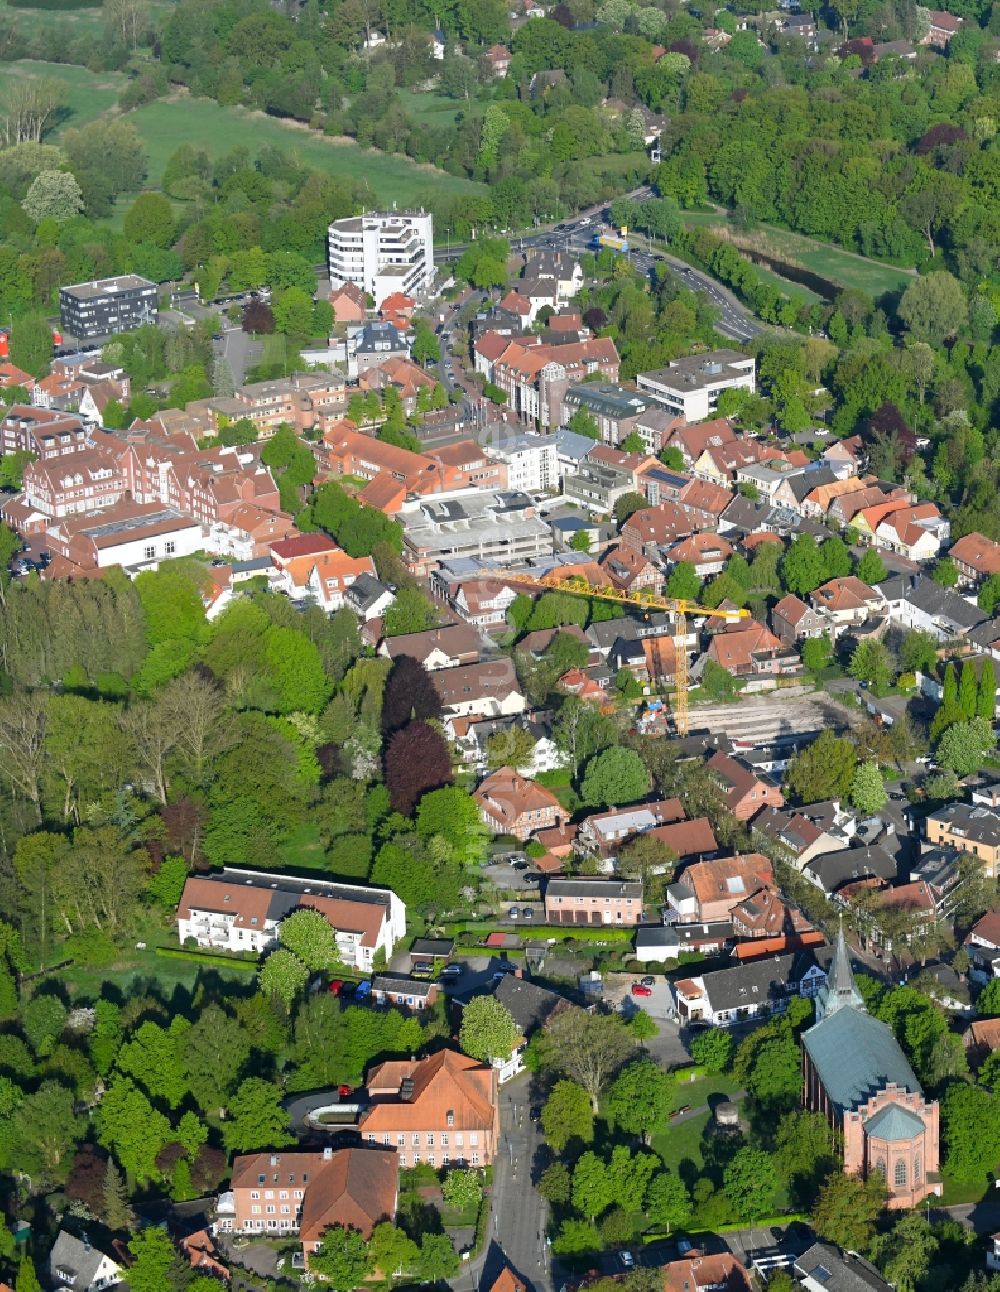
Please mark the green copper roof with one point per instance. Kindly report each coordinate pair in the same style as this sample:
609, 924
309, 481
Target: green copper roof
894, 1122
856, 1056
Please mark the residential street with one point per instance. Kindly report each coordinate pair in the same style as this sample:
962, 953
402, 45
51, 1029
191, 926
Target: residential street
519, 1213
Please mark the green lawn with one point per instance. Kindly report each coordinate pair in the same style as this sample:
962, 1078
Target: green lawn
88, 95
76, 22
841, 267
167, 124
681, 1141
302, 850
433, 109
794, 291
133, 970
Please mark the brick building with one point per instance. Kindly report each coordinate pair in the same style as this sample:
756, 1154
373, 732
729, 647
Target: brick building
858, 1077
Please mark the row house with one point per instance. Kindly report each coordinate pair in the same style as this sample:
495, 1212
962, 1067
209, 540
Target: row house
86, 481
346, 452
443, 1110
44, 433
242, 910
303, 401
916, 601
615, 409
593, 901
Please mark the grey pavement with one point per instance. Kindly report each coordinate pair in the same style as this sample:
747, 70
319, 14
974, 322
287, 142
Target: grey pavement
764, 718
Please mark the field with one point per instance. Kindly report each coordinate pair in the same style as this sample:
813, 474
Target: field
432, 109
841, 267
167, 124
88, 95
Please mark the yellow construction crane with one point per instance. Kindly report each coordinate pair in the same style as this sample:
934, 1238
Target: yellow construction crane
642, 599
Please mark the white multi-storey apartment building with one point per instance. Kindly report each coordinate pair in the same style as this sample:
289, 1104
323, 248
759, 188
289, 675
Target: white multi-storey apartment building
531, 461
383, 253
241, 910
690, 387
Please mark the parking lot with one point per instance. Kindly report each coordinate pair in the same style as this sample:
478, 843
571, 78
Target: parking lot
658, 1004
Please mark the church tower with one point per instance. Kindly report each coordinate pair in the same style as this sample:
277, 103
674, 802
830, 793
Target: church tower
840, 989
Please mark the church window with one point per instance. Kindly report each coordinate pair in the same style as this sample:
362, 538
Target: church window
916, 1169
900, 1174
880, 1166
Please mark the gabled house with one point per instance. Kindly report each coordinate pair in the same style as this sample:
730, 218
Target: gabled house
797, 836
436, 648
708, 553
756, 989
847, 602
793, 621
489, 689
708, 891
700, 1273
75, 1263
443, 1110
977, 558
832, 871
628, 570
971, 828
604, 833
744, 793
752, 653
510, 804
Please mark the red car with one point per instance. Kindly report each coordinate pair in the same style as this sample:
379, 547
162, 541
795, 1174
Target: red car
343, 1091
639, 989
336, 987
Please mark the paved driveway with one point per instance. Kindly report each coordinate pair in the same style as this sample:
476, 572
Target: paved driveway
618, 994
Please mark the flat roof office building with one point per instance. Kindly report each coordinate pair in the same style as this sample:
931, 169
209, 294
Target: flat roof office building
107, 306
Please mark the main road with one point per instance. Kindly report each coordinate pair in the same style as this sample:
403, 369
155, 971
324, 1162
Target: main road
576, 234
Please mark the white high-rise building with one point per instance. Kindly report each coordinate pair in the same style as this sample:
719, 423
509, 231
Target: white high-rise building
383, 253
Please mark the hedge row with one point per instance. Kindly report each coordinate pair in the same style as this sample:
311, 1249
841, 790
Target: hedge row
206, 958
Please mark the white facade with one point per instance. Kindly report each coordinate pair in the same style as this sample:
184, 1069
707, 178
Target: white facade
383, 253
691, 387
226, 912
531, 461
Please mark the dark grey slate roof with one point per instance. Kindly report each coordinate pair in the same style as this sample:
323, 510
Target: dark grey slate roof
594, 888
971, 821
811, 479
839, 1271
943, 603
530, 1005
438, 947
770, 979
401, 984
76, 1258
834, 869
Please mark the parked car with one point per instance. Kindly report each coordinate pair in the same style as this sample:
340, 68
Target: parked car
627, 1259
343, 1091
649, 981
640, 989
526, 913
512, 913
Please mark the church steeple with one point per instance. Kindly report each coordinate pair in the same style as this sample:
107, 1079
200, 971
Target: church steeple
840, 989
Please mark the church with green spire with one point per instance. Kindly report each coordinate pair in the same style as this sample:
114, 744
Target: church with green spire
856, 1074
